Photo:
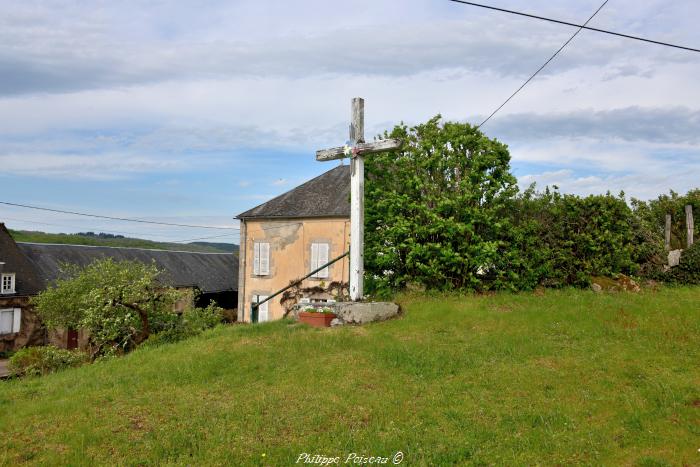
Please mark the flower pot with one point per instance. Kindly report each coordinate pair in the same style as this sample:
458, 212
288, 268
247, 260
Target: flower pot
317, 320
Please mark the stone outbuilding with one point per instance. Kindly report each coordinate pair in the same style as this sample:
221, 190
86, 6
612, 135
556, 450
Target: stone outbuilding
19, 281
28, 268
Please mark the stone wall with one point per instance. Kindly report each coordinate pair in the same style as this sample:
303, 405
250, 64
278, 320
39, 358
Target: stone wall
31, 331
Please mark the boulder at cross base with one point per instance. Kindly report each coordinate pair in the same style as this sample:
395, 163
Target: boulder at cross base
354, 312
365, 312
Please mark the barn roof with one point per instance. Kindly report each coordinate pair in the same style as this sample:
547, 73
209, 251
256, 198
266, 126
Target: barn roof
327, 195
210, 272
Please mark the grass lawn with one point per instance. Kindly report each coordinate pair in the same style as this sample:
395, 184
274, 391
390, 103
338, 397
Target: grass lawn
570, 377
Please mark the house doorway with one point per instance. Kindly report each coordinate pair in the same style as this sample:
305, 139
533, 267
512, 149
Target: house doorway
72, 339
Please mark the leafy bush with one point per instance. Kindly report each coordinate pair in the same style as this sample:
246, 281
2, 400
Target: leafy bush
653, 213
688, 270
432, 211
34, 361
557, 240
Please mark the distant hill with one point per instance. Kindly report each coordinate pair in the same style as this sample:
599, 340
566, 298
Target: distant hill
102, 239
227, 247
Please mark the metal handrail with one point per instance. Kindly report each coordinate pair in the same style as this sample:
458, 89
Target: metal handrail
254, 307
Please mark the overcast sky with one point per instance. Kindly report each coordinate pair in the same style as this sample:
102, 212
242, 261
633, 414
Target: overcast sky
193, 111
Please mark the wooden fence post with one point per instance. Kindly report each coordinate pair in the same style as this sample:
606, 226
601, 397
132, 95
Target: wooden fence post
668, 232
689, 223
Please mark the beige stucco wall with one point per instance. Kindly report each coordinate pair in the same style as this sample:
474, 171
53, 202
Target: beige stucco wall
290, 257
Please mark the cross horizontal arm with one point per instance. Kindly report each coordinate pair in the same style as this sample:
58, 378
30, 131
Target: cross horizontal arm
362, 149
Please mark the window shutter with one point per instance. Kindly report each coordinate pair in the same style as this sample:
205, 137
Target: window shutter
264, 259
256, 259
314, 257
6, 321
323, 259
17, 320
263, 314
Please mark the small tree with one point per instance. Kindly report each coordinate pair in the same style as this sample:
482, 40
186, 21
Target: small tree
434, 208
119, 303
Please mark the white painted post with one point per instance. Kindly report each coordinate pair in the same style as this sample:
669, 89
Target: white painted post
357, 189
357, 203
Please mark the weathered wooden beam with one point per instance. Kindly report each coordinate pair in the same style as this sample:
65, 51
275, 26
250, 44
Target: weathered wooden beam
690, 226
363, 149
667, 233
357, 125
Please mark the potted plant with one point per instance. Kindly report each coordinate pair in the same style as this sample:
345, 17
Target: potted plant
317, 317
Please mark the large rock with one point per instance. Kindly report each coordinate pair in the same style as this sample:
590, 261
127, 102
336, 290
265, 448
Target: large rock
365, 312
621, 283
674, 258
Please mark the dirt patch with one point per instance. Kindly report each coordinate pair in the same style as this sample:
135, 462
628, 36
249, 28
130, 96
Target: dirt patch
550, 363
625, 320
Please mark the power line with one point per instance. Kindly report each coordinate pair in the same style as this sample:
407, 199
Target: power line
117, 218
142, 221
137, 233
141, 233
581, 26
543, 66
82, 228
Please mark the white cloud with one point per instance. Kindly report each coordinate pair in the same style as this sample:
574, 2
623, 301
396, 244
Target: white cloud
107, 90
103, 167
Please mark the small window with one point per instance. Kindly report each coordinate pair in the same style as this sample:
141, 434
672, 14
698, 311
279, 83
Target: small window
10, 320
261, 259
263, 314
319, 257
8, 284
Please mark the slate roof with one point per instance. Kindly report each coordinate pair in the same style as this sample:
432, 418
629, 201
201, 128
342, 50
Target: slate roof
327, 195
27, 280
210, 272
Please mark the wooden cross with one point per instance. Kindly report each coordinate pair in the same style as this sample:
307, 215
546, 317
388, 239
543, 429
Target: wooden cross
357, 149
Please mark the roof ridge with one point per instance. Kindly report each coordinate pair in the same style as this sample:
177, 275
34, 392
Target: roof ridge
297, 188
123, 248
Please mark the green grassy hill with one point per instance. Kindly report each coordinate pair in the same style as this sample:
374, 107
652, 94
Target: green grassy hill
118, 241
566, 378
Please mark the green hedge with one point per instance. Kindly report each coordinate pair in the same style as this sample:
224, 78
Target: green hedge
444, 212
34, 361
688, 270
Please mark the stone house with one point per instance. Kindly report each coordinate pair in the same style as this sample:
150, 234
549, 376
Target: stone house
34, 266
288, 237
18, 282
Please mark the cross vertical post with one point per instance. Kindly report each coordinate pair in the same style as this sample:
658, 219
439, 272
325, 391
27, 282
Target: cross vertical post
357, 149
357, 203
